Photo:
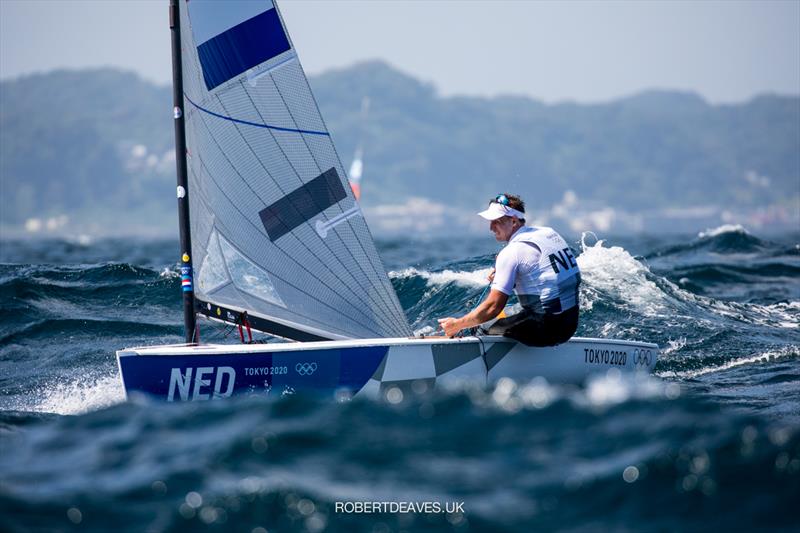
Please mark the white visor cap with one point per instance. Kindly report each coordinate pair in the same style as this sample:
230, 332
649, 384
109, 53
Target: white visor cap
496, 211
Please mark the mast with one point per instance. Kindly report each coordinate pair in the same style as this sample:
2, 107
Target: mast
187, 282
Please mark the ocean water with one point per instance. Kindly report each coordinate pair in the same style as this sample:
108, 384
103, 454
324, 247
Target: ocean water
711, 441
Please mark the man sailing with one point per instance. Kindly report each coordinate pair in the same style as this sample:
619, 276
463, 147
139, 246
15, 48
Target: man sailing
538, 265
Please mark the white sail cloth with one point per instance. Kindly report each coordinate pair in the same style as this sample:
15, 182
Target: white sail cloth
275, 228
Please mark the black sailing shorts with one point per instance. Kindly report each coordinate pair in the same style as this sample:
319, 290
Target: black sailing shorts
537, 329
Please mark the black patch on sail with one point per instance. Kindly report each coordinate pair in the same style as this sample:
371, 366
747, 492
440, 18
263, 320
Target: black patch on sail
302, 204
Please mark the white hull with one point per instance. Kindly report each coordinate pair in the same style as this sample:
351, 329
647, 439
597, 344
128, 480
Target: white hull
198, 372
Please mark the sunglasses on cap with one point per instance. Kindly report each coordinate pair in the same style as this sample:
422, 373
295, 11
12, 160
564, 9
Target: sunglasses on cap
501, 199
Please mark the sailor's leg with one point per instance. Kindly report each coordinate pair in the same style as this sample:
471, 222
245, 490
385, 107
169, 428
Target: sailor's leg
500, 326
545, 330
507, 312
483, 329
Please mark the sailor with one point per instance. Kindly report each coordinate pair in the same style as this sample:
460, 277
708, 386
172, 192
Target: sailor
538, 265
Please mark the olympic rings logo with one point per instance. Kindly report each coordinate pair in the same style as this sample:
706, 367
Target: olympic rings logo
642, 357
305, 369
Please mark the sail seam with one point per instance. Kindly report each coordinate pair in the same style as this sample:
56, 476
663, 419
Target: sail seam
384, 292
379, 318
385, 310
233, 204
222, 191
255, 124
395, 306
331, 327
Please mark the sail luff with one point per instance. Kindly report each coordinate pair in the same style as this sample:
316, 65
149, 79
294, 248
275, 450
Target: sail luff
189, 317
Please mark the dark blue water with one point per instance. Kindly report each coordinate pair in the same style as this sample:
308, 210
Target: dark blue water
711, 442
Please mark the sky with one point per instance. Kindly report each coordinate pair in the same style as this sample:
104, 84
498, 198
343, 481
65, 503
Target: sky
587, 52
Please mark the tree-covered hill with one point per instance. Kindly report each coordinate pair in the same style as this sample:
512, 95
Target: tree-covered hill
652, 149
96, 145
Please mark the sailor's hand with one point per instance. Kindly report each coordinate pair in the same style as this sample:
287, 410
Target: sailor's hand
490, 277
450, 326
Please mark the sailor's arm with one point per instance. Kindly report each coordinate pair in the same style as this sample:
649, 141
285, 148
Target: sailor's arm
487, 310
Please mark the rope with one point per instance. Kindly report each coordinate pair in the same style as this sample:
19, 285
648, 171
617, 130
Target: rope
480, 299
242, 321
221, 333
469, 332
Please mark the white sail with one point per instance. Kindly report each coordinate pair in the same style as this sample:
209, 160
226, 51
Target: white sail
275, 229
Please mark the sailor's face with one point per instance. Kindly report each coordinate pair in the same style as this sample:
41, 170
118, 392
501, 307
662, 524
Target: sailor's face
502, 228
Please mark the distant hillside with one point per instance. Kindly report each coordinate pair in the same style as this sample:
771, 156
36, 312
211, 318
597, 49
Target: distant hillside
68, 141
96, 146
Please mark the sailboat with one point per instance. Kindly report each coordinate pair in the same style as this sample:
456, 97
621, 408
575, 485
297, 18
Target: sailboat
357, 166
273, 240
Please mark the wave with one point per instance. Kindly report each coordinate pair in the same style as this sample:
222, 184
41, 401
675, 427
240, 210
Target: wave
72, 396
550, 456
620, 297
75, 316
612, 273
769, 356
80, 275
717, 423
81, 296
730, 239
715, 273
725, 228
88, 328
475, 278
615, 273
726, 239
602, 391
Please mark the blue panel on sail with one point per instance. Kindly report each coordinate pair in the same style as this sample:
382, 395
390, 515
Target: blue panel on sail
241, 47
302, 204
210, 18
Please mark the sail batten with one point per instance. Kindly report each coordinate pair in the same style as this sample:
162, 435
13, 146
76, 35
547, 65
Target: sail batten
260, 158
290, 284
322, 268
364, 256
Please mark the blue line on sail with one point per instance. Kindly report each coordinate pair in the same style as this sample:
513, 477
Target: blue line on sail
257, 125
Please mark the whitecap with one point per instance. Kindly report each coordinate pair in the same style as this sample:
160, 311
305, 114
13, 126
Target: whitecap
725, 228
78, 396
475, 278
765, 357
616, 272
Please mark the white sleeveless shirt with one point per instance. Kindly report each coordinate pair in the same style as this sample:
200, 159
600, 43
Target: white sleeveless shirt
538, 265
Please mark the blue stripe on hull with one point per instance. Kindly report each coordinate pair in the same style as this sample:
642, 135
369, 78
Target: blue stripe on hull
205, 377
